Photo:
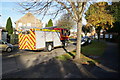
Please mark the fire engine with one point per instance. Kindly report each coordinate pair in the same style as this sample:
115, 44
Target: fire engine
45, 38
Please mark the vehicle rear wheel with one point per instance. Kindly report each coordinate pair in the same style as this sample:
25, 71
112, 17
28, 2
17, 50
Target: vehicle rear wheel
9, 49
65, 43
49, 47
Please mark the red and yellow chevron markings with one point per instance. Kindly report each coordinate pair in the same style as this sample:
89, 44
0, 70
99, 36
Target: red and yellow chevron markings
27, 41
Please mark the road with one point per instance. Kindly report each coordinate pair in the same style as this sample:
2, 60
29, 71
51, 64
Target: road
109, 63
20, 59
109, 67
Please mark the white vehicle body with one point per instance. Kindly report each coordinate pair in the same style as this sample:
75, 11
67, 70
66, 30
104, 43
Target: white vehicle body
43, 37
39, 39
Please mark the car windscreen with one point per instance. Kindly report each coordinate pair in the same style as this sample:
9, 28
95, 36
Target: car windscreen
26, 32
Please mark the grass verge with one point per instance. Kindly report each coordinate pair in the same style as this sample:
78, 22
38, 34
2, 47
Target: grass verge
83, 58
96, 49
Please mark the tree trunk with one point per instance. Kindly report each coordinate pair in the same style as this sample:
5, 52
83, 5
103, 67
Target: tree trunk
98, 32
98, 35
78, 47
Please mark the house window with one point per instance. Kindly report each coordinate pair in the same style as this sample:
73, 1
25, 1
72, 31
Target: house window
28, 24
24, 24
19, 24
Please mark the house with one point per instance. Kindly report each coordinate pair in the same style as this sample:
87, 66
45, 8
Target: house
28, 20
13, 39
3, 34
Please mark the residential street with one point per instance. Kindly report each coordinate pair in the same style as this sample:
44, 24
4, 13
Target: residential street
60, 39
67, 69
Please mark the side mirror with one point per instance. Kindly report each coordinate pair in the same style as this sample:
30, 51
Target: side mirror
68, 33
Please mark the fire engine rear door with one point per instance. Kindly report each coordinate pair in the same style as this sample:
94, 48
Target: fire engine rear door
40, 39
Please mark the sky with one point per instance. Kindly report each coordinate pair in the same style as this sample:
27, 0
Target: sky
10, 8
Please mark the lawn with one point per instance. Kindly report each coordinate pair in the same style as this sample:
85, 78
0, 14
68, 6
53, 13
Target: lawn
95, 48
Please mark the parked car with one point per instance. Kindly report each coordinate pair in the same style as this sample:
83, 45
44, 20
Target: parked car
4, 46
86, 40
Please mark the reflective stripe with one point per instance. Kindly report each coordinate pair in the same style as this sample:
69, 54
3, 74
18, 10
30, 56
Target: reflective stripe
27, 41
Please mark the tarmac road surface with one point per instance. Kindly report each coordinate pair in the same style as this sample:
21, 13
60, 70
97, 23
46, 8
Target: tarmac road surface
25, 59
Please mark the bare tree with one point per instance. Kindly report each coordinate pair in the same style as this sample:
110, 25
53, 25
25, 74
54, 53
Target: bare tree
65, 21
73, 7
